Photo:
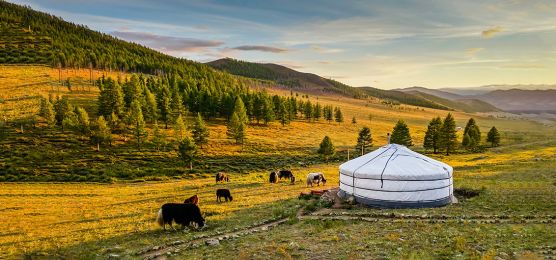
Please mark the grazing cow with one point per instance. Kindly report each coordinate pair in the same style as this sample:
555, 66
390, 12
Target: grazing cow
222, 177
182, 214
287, 174
223, 193
192, 200
315, 178
273, 177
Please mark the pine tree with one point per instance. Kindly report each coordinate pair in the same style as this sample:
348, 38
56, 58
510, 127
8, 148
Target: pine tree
187, 151
326, 148
400, 134
236, 129
180, 129
150, 109
308, 110
268, 111
137, 123
159, 137
200, 131
448, 137
364, 141
101, 134
472, 130
47, 112
432, 136
354, 120
328, 114
240, 111
317, 112
82, 117
70, 121
338, 116
283, 115
493, 137
176, 105
62, 108
165, 110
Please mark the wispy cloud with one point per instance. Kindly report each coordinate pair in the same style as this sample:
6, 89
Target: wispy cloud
167, 44
491, 31
472, 51
260, 48
321, 49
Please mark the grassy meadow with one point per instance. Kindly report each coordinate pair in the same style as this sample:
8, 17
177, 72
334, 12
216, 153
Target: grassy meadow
110, 202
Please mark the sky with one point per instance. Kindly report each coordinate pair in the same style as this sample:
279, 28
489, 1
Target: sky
379, 43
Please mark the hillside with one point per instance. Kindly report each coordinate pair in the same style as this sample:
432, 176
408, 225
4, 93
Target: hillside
434, 92
488, 88
469, 105
32, 37
518, 100
307, 81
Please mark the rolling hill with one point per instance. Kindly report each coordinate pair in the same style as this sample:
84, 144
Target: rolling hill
530, 99
307, 81
451, 100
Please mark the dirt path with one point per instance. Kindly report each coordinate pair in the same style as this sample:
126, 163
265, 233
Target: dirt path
160, 252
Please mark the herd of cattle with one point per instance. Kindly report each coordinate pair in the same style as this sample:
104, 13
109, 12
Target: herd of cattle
188, 212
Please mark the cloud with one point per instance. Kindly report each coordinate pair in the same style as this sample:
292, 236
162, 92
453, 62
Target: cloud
321, 49
472, 51
167, 44
260, 48
491, 31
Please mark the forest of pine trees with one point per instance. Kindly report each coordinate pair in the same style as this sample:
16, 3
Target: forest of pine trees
126, 106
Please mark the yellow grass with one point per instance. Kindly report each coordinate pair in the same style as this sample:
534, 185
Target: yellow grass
45, 216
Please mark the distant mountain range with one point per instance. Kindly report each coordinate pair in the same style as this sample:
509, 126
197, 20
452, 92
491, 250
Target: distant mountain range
530, 99
307, 81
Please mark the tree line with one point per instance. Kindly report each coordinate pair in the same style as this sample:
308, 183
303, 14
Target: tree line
440, 136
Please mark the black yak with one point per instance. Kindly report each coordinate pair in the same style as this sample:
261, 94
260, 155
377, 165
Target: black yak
182, 214
287, 174
222, 177
192, 200
223, 193
273, 177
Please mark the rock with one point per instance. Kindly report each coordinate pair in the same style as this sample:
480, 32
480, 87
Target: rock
113, 256
264, 228
114, 249
212, 242
351, 200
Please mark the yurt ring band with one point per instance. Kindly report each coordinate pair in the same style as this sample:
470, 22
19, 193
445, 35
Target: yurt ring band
364, 178
398, 190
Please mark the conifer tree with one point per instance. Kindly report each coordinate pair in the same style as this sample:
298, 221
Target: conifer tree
101, 134
70, 121
317, 111
47, 112
354, 120
240, 111
448, 137
400, 134
187, 151
338, 116
137, 123
326, 148
364, 141
328, 114
180, 129
159, 137
493, 137
62, 108
432, 136
150, 108
268, 111
308, 110
236, 129
474, 134
283, 115
82, 124
200, 131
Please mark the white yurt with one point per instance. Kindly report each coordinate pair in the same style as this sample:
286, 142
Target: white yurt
395, 177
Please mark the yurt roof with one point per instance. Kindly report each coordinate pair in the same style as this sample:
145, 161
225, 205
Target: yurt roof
396, 162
